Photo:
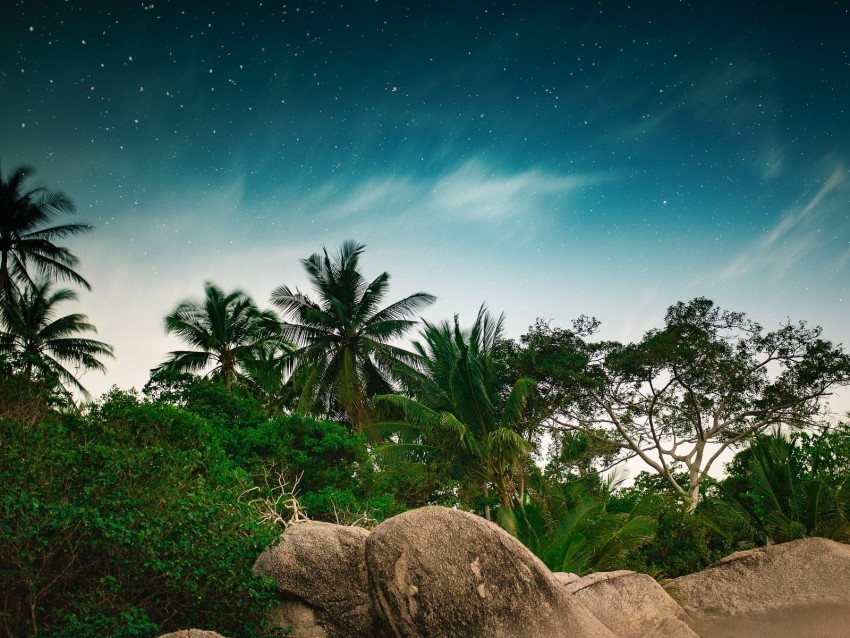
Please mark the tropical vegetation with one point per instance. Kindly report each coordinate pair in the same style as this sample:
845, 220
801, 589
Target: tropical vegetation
141, 513
461, 405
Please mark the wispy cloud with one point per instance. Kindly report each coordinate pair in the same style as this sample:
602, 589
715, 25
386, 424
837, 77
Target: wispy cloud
475, 193
472, 192
815, 227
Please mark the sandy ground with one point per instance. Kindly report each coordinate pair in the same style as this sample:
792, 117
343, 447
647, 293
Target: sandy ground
811, 621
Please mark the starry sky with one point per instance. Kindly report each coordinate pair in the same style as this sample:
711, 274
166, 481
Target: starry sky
549, 158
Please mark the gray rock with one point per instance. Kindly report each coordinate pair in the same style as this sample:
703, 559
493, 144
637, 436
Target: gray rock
565, 578
323, 566
628, 603
671, 628
813, 620
292, 612
799, 573
439, 573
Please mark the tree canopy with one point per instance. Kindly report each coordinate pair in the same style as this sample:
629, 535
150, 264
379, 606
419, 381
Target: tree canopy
27, 236
459, 397
345, 353
227, 330
708, 381
47, 344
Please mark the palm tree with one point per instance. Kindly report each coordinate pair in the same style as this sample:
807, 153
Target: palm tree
26, 236
459, 394
571, 528
227, 331
344, 354
47, 343
792, 487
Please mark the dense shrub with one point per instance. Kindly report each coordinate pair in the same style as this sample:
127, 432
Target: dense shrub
333, 467
683, 542
127, 521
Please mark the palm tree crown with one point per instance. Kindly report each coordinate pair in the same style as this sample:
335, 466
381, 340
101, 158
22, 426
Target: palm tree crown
459, 393
227, 331
48, 343
26, 236
344, 353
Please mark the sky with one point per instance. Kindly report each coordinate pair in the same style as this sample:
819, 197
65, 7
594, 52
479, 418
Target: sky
551, 159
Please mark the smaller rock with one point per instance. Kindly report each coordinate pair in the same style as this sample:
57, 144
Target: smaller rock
565, 578
323, 566
628, 603
297, 615
798, 573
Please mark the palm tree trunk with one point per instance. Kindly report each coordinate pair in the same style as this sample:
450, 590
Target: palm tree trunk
4, 271
485, 489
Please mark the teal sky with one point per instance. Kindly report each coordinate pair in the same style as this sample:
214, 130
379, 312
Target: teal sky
606, 158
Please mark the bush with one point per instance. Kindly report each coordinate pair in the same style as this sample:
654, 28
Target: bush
683, 542
126, 522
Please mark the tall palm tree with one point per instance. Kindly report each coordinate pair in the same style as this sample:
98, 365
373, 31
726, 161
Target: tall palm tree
49, 344
227, 331
27, 236
459, 394
344, 352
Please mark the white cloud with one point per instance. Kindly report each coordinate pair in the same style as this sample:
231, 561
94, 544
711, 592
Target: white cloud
802, 232
472, 192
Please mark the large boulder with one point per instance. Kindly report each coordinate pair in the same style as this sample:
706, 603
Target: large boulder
298, 616
320, 570
438, 572
628, 603
800, 573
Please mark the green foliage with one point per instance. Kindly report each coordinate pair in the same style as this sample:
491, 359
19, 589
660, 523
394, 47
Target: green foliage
707, 381
788, 488
333, 467
27, 236
126, 522
227, 331
571, 528
683, 542
48, 344
460, 407
208, 398
23, 399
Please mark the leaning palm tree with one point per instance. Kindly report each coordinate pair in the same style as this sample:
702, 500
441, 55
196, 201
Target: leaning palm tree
46, 343
344, 353
227, 331
459, 395
27, 236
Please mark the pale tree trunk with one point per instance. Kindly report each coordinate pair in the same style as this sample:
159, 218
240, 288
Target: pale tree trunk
695, 476
693, 498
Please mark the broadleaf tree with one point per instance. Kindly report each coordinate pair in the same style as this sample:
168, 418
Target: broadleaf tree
708, 381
